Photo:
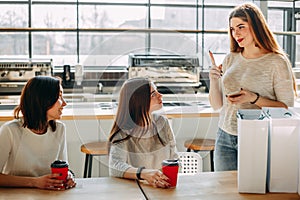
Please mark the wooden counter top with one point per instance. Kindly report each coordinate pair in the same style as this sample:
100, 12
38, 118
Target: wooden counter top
90, 112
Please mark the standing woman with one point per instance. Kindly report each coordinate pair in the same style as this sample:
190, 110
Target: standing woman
139, 140
33, 140
256, 70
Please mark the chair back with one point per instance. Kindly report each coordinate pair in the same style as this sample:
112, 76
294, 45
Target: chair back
190, 163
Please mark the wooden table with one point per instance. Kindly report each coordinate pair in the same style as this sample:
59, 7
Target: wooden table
87, 189
211, 186
207, 186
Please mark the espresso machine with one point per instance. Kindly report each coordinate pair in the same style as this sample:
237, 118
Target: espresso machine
170, 73
14, 73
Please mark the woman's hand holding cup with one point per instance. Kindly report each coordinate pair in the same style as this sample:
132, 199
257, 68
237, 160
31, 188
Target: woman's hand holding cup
156, 178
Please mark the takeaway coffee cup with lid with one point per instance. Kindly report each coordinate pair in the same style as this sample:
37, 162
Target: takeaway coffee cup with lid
170, 169
60, 167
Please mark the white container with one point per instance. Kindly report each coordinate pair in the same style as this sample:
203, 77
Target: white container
79, 74
253, 151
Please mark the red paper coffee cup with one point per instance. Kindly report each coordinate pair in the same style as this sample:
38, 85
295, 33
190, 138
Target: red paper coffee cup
60, 167
170, 169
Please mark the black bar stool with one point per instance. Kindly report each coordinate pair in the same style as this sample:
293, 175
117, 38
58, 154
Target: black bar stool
92, 149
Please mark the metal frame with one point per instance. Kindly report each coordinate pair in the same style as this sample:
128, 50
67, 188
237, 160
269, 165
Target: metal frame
289, 42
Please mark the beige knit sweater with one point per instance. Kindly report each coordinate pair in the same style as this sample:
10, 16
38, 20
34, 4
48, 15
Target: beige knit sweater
269, 75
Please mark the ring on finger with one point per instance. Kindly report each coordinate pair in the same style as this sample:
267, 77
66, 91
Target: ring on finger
155, 182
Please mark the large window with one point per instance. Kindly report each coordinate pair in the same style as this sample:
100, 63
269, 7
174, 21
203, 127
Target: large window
104, 32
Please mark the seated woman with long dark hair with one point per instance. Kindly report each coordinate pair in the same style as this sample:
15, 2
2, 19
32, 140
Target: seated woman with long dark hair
140, 140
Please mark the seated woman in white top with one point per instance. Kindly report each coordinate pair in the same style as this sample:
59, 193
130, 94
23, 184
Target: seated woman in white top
139, 140
33, 140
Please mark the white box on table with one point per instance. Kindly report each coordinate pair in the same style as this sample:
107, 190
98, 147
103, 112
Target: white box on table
283, 159
252, 151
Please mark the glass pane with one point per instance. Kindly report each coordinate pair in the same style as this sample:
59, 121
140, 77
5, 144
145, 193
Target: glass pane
13, 16
110, 48
218, 44
101, 16
184, 2
33, 1
275, 20
225, 2
297, 50
119, 1
280, 4
280, 40
14, 45
173, 17
14, 0
60, 46
54, 16
216, 18
174, 43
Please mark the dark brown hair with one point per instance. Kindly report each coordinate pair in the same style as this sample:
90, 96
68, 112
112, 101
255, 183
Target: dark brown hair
134, 106
38, 95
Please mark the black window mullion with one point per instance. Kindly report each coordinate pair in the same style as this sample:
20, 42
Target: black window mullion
29, 26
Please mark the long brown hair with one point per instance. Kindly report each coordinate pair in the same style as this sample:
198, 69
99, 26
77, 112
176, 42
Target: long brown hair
38, 95
263, 36
134, 106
